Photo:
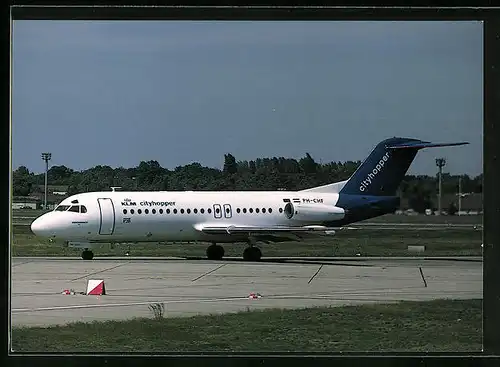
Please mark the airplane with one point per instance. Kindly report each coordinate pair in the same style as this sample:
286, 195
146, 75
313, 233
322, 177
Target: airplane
87, 219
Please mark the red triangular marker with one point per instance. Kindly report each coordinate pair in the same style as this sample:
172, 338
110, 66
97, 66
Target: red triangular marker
96, 288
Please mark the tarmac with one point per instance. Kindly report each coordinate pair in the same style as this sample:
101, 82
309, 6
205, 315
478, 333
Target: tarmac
192, 287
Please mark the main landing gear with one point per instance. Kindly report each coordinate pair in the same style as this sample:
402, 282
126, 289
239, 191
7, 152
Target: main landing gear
87, 254
252, 254
216, 252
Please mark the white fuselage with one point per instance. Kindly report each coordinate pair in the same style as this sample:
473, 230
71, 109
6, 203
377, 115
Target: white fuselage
118, 216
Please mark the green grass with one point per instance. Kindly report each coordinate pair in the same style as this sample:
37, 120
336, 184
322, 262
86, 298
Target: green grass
367, 242
435, 326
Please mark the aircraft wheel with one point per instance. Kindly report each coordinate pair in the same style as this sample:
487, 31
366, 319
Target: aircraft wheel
252, 254
215, 252
87, 255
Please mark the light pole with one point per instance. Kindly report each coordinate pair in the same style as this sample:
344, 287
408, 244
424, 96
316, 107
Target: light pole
440, 162
459, 195
46, 157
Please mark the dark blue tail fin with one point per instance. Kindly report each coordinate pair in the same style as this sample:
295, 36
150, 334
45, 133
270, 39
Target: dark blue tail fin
384, 169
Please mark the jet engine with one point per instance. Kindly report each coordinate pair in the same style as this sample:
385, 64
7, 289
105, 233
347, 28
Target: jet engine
315, 212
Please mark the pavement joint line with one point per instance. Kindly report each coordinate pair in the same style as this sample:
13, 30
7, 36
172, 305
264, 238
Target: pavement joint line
208, 272
25, 262
100, 271
314, 275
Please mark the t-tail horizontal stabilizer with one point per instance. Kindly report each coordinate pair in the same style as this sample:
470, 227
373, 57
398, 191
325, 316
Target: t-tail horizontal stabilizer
423, 144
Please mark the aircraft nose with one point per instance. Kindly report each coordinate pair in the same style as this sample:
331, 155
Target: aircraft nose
38, 227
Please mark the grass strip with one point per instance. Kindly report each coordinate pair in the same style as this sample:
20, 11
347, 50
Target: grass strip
433, 326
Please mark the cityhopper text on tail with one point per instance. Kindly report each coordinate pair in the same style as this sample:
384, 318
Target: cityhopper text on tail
87, 219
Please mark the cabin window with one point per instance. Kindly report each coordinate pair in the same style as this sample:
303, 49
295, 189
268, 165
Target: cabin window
124, 211
281, 210
182, 211
161, 211
263, 210
270, 210
195, 211
139, 211
227, 210
146, 211
167, 211
238, 210
154, 211
175, 211
244, 210
250, 210
209, 210
256, 210
131, 211
189, 211
202, 211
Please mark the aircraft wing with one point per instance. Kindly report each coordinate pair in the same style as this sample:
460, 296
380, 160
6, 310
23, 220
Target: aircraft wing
270, 233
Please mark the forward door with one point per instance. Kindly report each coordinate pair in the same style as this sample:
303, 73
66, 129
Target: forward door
107, 216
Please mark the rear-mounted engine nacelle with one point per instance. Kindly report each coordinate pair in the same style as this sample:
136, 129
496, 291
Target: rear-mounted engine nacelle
316, 212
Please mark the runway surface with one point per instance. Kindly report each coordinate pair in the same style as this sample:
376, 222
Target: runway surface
190, 287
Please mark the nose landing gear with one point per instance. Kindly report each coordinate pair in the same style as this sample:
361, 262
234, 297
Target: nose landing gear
87, 254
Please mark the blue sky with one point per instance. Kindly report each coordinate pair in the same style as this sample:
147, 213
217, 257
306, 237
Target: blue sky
116, 93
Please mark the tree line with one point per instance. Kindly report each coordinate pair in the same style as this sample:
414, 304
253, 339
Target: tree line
259, 174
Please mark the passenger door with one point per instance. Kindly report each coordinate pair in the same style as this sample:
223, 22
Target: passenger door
107, 216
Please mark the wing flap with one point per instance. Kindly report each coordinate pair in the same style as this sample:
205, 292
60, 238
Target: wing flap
251, 230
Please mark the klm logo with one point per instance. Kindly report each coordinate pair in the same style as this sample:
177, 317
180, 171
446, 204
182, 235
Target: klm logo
371, 176
128, 203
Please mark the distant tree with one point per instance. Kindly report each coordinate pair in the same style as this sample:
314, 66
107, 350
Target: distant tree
21, 186
230, 165
419, 198
22, 182
58, 175
420, 203
251, 166
22, 171
308, 164
452, 209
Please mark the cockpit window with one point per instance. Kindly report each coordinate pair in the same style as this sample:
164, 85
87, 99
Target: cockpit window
72, 208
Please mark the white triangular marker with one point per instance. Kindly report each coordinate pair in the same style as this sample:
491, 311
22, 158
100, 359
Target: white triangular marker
96, 287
